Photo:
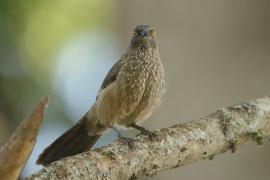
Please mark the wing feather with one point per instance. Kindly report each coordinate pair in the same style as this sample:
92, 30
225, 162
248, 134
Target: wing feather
111, 75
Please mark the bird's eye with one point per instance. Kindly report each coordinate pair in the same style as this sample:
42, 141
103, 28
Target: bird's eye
153, 33
135, 33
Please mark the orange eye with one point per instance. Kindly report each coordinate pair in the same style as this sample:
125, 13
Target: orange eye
153, 33
135, 33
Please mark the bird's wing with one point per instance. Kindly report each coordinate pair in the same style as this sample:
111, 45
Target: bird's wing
112, 74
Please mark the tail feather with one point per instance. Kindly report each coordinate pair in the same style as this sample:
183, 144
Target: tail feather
74, 141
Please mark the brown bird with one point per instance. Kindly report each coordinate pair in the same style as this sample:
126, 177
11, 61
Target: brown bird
128, 95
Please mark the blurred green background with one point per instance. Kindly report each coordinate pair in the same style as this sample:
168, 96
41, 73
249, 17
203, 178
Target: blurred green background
215, 52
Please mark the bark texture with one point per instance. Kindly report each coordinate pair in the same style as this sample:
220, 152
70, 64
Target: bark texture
16, 151
181, 144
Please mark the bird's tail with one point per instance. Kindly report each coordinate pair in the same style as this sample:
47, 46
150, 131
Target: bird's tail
73, 141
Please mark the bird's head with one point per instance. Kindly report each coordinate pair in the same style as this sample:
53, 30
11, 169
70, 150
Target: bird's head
144, 36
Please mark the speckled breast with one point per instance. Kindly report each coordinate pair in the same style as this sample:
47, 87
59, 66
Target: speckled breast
142, 80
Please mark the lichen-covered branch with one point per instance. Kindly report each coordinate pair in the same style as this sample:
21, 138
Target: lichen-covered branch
15, 152
181, 144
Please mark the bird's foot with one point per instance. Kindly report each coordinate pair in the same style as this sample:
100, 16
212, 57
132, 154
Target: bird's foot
148, 133
128, 141
144, 131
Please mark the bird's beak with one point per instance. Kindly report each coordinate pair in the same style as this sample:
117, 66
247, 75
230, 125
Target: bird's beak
144, 39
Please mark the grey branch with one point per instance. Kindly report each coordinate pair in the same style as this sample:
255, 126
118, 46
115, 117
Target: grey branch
181, 144
15, 152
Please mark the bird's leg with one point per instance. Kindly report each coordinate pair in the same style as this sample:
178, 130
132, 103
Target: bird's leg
126, 140
143, 131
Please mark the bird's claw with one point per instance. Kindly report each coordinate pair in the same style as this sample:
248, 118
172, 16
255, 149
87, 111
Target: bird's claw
128, 141
148, 133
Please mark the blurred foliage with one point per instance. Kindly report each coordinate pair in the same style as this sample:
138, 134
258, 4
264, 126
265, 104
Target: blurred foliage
32, 32
41, 27
32, 35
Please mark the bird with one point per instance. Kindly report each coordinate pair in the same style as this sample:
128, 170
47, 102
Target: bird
130, 92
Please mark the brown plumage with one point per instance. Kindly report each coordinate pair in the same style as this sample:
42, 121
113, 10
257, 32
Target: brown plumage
128, 95
73, 141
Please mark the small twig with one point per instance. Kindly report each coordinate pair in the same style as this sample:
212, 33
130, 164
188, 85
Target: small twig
16, 151
182, 144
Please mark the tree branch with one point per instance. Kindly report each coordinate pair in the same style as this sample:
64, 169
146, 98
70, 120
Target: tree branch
181, 144
15, 152
4, 128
